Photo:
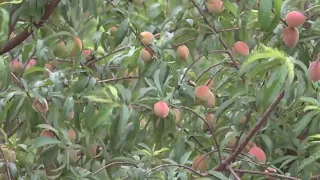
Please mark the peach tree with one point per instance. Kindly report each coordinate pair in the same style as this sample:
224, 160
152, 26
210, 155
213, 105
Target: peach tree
159, 89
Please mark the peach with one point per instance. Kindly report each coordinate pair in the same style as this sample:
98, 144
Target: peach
243, 120
215, 6
290, 36
49, 67
32, 62
200, 164
314, 71
145, 55
202, 93
241, 48
177, 115
93, 150
258, 153
72, 135
47, 133
249, 146
9, 155
77, 46
143, 123
113, 30
183, 52
86, 53
60, 50
146, 38
41, 107
295, 19
232, 139
16, 66
270, 170
73, 155
210, 120
211, 101
161, 109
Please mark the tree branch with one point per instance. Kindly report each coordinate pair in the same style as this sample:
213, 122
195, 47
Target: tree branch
268, 174
5, 164
12, 43
222, 166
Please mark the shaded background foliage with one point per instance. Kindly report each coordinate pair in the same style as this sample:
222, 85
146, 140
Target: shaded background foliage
106, 97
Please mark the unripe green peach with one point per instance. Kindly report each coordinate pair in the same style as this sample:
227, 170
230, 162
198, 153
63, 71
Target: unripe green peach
72, 135
241, 48
145, 55
215, 6
177, 115
210, 120
161, 109
47, 133
295, 19
290, 36
113, 30
77, 46
232, 139
314, 71
258, 153
200, 164
202, 93
60, 50
16, 66
41, 107
183, 52
146, 38
243, 120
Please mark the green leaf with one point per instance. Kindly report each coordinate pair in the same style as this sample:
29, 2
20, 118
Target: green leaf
122, 31
277, 6
42, 141
11, 2
302, 123
4, 27
218, 175
264, 14
309, 160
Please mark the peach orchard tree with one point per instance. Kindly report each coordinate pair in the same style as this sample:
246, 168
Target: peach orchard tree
159, 89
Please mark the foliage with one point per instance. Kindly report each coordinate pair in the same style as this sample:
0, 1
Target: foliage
90, 79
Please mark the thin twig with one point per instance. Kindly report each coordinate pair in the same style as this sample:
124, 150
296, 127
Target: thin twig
114, 163
5, 164
233, 173
157, 168
15, 129
267, 174
118, 79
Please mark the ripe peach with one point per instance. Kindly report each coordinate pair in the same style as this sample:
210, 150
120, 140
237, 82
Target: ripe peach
211, 101
31, 63
77, 46
146, 38
177, 115
16, 65
215, 6
145, 55
202, 93
183, 52
93, 150
241, 48
295, 19
72, 135
60, 50
290, 36
258, 153
47, 133
200, 164
210, 120
161, 109
314, 71
270, 170
86, 53
113, 30
41, 107
143, 123
249, 146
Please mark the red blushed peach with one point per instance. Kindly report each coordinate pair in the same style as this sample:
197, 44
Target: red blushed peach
41, 107
210, 120
295, 19
241, 48
72, 135
77, 46
258, 153
215, 6
202, 93
47, 133
161, 109
16, 66
86, 53
290, 36
145, 55
211, 101
314, 71
183, 52
147, 38
113, 30
200, 164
